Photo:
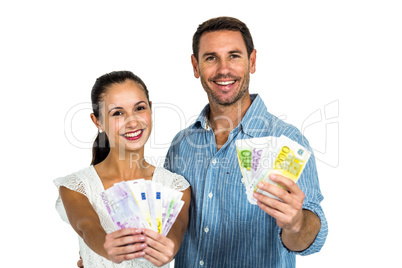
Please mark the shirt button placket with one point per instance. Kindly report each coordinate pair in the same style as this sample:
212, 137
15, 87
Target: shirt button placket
214, 161
206, 229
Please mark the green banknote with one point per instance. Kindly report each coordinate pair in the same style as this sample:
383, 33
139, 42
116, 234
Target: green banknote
260, 157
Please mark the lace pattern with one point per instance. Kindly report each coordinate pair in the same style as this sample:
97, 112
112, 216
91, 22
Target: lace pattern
170, 179
88, 183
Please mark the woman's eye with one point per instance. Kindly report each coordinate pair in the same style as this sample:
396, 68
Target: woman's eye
117, 113
139, 108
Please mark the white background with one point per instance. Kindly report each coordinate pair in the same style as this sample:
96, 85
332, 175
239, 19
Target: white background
340, 60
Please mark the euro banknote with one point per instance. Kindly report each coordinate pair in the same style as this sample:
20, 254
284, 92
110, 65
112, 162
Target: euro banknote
143, 204
279, 155
253, 155
122, 207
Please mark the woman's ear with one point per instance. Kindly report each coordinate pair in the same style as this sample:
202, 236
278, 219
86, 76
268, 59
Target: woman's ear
96, 122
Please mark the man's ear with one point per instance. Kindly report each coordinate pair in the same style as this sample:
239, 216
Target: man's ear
194, 62
96, 122
253, 59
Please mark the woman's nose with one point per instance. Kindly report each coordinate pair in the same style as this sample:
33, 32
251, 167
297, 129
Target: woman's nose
131, 122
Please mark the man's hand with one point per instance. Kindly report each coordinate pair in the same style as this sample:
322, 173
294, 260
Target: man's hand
299, 227
288, 213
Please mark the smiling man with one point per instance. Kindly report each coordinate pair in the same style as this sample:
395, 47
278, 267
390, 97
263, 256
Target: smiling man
224, 229
224, 67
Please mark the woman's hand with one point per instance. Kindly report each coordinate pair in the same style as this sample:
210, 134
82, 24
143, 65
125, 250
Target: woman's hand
125, 244
160, 249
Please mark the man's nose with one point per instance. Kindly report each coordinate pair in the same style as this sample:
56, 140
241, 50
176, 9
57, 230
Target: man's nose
223, 67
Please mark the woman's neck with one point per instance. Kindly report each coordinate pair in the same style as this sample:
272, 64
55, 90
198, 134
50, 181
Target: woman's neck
129, 166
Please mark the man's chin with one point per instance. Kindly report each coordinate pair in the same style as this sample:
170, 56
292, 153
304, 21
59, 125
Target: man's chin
228, 100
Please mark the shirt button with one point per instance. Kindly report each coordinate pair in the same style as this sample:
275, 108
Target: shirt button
214, 161
206, 229
201, 263
210, 195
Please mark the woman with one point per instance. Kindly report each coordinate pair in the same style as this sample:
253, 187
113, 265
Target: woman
122, 113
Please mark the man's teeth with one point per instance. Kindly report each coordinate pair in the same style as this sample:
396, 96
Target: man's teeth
132, 134
225, 83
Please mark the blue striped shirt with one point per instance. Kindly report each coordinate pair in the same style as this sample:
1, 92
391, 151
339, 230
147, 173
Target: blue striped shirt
224, 229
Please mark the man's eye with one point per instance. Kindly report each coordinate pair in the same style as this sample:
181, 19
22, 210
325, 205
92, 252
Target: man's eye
210, 58
234, 56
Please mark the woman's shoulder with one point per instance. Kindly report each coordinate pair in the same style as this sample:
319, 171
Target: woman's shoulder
84, 172
76, 181
170, 179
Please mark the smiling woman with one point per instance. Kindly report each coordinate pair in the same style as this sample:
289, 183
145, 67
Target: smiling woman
116, 83
122, 113
125, 117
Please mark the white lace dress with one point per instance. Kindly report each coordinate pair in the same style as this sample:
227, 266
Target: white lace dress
88, 183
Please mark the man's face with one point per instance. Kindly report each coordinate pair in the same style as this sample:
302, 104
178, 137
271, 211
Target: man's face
224, 66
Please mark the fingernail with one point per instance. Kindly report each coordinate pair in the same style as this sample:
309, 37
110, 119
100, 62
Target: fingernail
273, 176
260, 185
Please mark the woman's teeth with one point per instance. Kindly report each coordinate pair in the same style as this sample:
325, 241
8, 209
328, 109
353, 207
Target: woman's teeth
132, 134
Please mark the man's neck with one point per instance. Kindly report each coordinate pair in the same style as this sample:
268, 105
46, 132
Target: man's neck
223, 119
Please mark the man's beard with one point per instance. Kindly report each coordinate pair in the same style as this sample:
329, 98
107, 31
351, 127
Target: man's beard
242, 90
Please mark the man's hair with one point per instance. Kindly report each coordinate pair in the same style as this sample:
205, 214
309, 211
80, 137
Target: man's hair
222, 24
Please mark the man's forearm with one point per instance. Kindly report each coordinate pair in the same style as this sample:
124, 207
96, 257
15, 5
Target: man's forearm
305, 237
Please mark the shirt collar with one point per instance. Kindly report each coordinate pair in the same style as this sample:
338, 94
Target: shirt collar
202, 119
257, 110
255, 115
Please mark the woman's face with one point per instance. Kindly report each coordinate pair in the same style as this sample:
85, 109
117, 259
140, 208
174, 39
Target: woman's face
125, 116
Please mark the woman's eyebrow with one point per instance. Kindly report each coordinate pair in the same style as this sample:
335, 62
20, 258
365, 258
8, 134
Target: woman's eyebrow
139, 103
121, 108
115, 108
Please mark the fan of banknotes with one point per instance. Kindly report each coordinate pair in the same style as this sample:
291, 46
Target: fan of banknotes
143, 204
260, 157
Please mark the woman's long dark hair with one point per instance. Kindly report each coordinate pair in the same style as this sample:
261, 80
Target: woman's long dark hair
101, 146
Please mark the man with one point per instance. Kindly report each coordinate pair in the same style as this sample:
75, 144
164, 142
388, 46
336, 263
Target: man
225, 230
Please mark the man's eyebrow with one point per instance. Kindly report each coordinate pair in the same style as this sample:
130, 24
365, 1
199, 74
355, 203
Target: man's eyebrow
235, 52
207, 54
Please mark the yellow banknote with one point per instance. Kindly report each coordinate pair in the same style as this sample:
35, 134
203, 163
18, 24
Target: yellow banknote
290, 161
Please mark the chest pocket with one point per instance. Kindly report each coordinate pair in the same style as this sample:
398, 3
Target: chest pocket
237, 208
